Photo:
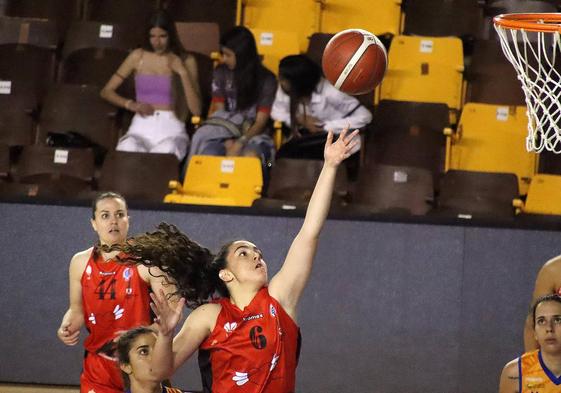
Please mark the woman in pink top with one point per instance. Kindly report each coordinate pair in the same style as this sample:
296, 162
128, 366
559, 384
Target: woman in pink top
158, 125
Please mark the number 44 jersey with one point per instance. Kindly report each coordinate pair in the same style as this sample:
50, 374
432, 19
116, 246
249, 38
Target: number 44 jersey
252, 350
114, 298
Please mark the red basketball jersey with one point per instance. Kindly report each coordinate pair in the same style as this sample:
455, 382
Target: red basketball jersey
251, 351
114, 298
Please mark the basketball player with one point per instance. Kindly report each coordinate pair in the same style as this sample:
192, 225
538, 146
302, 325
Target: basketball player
134, 349
548, 281
106, 297
539, 370
248, 338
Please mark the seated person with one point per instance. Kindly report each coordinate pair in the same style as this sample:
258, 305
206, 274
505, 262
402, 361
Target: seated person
134, 349
243, 91
539, 370
310, 106
167, 91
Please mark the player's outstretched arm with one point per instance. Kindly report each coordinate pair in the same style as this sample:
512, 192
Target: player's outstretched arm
287, 285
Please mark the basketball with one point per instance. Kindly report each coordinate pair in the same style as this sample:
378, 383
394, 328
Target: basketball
354, 61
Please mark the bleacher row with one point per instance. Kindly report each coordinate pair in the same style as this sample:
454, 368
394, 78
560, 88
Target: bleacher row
449, 118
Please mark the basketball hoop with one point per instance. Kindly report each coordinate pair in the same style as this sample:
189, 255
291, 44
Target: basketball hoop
532, 43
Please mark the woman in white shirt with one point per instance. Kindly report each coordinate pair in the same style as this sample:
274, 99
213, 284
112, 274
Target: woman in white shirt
309, 105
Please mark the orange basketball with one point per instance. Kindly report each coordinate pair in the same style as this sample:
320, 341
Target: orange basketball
354, 61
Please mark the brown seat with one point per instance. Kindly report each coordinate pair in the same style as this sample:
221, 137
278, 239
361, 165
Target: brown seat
67, 189
70, 171
316, 45
17, 124
468, 194
409, 134
394, 189
202, 40
4, 161
138, 176
93, 51
295, 179
62, 12
443, 18
491, 78
222, 12
136, 13
79, 109
28, 31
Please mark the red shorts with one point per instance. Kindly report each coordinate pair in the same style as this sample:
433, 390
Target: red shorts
100, 375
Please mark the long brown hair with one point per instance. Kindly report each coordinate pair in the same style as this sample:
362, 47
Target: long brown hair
192, 268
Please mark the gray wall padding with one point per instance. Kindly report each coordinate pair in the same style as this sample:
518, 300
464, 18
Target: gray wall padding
390, 308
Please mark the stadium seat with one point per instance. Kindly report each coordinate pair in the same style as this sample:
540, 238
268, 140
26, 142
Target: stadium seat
219, 181
134, 13
273, 45
380, 18
443, 18
492, 138
70, 170
93, 51
316, 45
202, 40
491, 79
280, 16
79, 109
292, 182
394, 189
62, 12
27, 52
4, 161
138, 176
222, 12
470, 194
425, 69
17, 124
544, 196
409, 134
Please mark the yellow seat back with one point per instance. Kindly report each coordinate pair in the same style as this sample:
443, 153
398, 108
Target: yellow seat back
224, 181
300, 17
273, 45
544, 195
378, 17
425, 69
492, 138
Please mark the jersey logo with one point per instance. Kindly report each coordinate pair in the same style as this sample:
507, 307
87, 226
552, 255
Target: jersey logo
230, 326
252, 317
89, 271
92, 318
127, 274
240, 378
118, 312
272, 310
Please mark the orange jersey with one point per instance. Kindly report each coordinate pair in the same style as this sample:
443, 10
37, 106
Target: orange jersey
251, 351
114, 298
535, 377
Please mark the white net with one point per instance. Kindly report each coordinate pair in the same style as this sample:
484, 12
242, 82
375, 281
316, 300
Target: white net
536, 57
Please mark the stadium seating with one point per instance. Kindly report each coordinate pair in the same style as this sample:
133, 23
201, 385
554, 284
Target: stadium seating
425, 69
394, 189
273, 45
214, 180
471, 194
222, 12
408, 134
135, 13
544, 196
492, 138
62, 12
138, 176
93, 51
79, 109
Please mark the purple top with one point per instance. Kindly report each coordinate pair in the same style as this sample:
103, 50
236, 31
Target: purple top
153, 89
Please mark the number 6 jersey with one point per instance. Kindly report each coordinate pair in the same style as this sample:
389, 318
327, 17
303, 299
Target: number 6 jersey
251, 351
114, 298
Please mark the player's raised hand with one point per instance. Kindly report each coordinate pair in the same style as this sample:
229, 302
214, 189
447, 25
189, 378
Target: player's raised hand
336, 152
167, 316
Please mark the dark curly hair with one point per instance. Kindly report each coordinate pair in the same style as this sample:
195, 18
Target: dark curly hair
192, 268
